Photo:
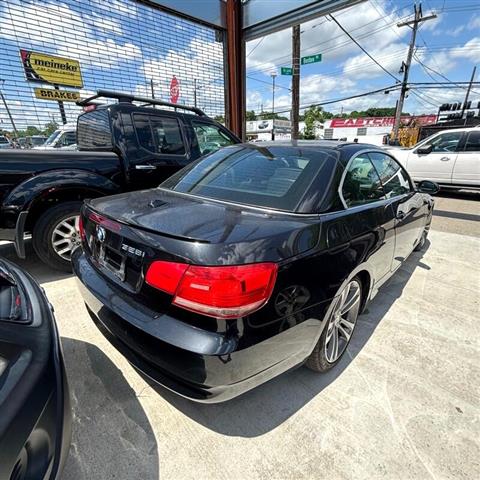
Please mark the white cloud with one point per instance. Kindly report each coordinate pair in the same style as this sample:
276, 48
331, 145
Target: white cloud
376, 31
455, 32
209, 81
470, 51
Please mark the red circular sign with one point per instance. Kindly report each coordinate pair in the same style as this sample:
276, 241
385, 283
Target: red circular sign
174, 90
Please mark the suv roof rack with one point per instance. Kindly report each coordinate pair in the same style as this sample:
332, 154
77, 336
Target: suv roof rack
126, 97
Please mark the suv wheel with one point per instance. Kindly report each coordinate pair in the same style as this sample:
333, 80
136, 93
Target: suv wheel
56, 234
338, 331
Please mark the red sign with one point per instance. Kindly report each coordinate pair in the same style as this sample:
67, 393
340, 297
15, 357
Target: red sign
380, 121
174, 90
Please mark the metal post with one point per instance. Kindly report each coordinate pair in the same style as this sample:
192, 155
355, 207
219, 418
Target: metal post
468, 93
406, 67
235, 81
61, 107
273, 75
8, 111
151, 88
195, 92
295, 79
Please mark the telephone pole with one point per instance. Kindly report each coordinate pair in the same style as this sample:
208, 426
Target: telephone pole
2, 81
413, 24
295, 79
468, 93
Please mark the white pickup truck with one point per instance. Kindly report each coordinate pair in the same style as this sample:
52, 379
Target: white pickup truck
451, 158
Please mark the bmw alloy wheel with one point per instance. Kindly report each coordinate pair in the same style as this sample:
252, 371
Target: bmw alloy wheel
342, 321
66, 236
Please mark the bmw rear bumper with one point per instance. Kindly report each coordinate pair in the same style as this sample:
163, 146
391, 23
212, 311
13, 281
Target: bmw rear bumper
201, 365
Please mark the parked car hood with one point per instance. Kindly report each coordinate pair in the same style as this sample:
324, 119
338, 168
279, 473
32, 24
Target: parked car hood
204, 220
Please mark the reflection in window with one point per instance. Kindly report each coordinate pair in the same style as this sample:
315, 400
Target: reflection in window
94, 130
362, 183
210, 138
446, 142
159, 134
473, 142
394, 179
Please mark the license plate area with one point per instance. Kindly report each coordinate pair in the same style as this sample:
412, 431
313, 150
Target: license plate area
112, 260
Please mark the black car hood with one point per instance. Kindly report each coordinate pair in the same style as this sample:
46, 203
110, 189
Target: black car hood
207, 221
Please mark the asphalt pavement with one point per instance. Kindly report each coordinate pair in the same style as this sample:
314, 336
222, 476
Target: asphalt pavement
402, 404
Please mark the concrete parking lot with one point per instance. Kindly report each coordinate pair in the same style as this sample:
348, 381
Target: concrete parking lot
403, 403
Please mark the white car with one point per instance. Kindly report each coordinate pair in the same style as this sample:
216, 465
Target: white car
65, 137
451, 158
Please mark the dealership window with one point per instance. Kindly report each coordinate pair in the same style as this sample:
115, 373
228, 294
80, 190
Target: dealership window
394, 178
328, 134
159, 134
93, 130
362, 183
361, 131
210, 138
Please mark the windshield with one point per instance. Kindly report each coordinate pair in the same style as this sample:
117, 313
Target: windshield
37, 141
3, 140
274, 177
51, 139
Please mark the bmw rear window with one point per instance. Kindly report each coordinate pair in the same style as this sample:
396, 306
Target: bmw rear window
272, 177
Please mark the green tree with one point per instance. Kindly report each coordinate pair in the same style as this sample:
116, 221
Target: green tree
270, 116
50, 127
31, 130
313, 117
250, 115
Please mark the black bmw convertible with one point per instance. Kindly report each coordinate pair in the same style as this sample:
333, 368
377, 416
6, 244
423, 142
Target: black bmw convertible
252, 260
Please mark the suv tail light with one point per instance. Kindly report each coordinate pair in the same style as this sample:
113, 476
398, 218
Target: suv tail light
220, 292
81, 229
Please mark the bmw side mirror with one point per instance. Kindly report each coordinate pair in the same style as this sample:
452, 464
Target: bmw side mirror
426, 186
424, 150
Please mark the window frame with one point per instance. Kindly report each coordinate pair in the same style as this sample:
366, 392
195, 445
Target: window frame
385, 200
162, 115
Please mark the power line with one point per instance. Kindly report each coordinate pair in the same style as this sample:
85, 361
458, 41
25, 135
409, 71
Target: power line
255, 47
363, 50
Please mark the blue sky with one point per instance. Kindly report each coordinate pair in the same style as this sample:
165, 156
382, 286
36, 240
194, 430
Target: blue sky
122, 44
449, 45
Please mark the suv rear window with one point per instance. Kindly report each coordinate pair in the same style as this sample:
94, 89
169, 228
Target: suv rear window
93, 131
273, 177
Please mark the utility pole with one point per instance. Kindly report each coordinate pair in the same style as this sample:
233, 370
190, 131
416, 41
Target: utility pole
151, 88
295, 79
468, 93
273, 75
8, 110
413, 24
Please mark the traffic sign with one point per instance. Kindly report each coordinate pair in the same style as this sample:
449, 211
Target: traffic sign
174, 90
286, 70
311, 59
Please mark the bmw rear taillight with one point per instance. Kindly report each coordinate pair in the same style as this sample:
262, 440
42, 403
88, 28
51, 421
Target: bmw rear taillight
220, 292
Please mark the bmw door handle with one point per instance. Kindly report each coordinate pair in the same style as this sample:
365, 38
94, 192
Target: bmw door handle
445, 159
145, 166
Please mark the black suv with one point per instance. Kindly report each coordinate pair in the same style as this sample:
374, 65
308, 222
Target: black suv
122, 146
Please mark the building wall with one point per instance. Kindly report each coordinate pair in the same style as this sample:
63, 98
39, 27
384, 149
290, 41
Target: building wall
121, 45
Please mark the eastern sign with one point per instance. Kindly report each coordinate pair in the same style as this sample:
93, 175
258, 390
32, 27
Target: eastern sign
379, 121
174, 90
311, 59
45, 68
56, 95
286, 70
